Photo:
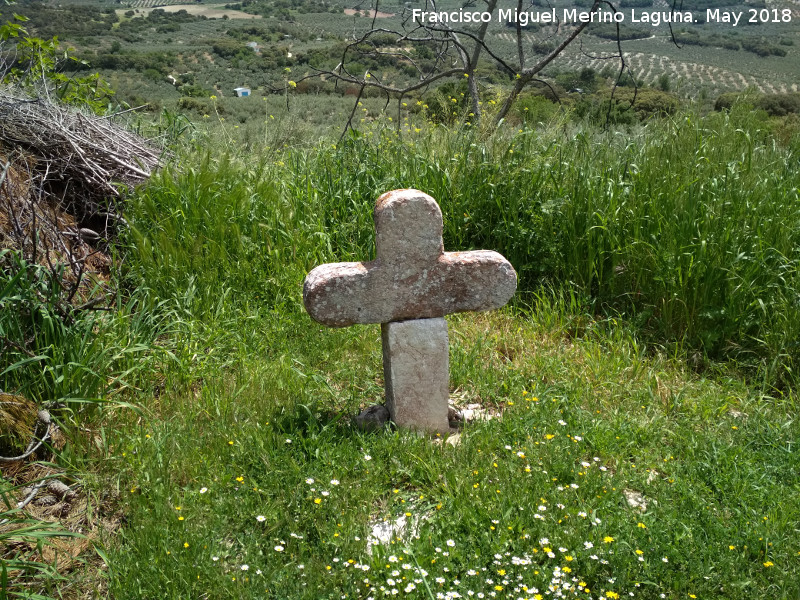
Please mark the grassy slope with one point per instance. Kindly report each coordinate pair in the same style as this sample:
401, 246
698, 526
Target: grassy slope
690, 223
692, 70
715, 462
257, 400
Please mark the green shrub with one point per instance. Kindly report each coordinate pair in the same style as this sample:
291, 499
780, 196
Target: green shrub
194, 90
775, 105
532, 109
585, 80
153, 74
40, 61
727, 100
779, 105
202, 107
228, 48
625, 105
649, 102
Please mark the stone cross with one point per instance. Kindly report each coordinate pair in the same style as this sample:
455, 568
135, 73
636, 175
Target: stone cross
411, 285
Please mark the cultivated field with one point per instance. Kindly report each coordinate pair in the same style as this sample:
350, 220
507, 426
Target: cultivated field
199, 10
368, 13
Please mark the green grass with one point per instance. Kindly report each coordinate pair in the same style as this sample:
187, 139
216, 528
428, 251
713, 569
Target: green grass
714, 461
689, 226
217, 480
62, 358
652, 340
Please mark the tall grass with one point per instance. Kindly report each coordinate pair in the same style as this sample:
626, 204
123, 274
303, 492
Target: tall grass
689, 226
66, 359
246, 479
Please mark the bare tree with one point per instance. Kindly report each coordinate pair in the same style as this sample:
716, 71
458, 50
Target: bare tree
437, 49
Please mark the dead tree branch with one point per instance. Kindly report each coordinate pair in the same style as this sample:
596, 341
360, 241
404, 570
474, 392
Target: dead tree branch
438, 50
43, 418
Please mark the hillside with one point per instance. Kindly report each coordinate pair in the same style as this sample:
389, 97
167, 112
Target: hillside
173, 424
642, 385
177, 55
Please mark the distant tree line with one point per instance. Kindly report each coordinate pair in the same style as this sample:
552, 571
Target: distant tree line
154, 62
48, 21
282, 9
775, 105
756, 45
609, 31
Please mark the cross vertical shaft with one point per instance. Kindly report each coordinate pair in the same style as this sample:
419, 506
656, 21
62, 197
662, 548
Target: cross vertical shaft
416, 372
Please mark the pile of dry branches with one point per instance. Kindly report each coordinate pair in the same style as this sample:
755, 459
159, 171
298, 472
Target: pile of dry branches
82, 159
63, 175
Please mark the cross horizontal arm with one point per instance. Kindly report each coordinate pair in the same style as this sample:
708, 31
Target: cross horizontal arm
342, 294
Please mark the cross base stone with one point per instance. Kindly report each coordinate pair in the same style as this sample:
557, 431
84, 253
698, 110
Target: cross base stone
416, 369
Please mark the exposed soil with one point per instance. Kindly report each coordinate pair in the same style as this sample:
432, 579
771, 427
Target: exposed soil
372, 13
198, 10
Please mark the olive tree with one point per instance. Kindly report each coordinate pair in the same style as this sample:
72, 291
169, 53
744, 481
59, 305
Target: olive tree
434, 45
